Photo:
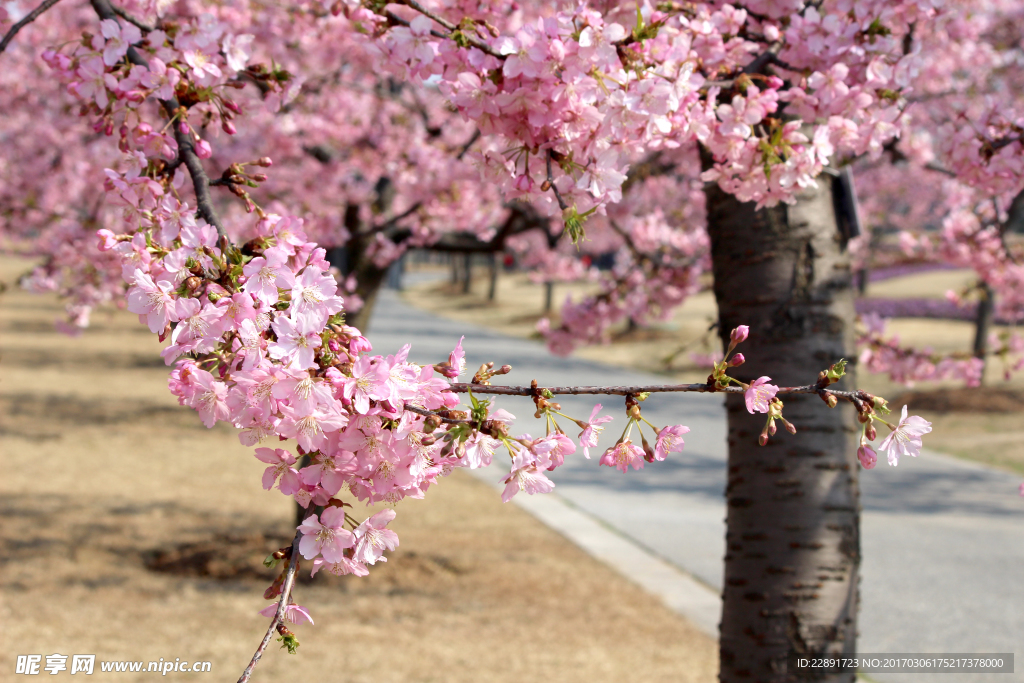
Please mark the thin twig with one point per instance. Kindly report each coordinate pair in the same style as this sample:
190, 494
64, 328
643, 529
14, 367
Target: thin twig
132, 20
461, 387
551, 182
393, 221
427, 413
430, 15
282, 606
469, 143
474, 42
27, 19
223, 182
628, 239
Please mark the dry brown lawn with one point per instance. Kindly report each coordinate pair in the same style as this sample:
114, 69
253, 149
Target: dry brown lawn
984, 425
132, 532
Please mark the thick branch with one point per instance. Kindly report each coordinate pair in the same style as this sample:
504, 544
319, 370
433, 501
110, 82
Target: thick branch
896, 156
186, 145
26, 20
200, 181
282, 606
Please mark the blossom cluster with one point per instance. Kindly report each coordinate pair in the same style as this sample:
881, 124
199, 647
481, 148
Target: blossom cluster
256, 334
580, 88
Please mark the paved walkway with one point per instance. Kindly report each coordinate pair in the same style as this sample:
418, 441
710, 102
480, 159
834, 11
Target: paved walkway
943, 539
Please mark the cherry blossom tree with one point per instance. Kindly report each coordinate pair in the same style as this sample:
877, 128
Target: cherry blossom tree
754, 101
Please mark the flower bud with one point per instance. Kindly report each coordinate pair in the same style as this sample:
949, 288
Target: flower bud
763, 439
228, 127
740, 334
737, 360
107, 239
203, 149
265, 162
358, 345
870, 433
868, 458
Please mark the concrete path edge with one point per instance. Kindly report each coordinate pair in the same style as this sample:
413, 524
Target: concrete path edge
679, 591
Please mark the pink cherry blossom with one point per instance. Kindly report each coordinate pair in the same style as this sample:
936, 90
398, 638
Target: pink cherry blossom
670, 440
265, 275
906, 438
592, 430
210, 397
326, 535
119, 38
280, 462
203, 66
759, 394
298, 339
457, 359
552, 450
525, 476
153, 301
312, 294
310, 430
293, 614
623, 455
368, 382
480, 450
341, 568
373, 538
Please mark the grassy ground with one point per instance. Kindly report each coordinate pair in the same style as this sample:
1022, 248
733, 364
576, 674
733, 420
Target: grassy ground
130, 531
984, 425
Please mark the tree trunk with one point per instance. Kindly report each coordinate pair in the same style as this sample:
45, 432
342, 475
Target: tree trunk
492, 287
369, 279
467, 273
549, 296
792, 544
983, 324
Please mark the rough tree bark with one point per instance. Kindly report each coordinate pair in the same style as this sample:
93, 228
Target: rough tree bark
983, 324
792, 544
369, 277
